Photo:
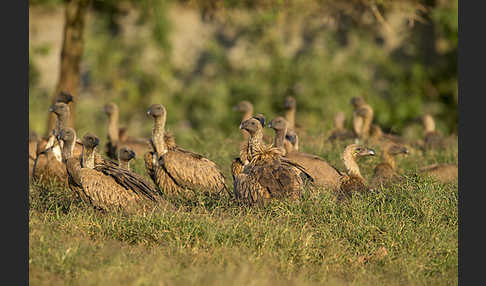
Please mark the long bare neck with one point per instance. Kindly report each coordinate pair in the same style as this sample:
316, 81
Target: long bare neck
62, 121
290, 117
368, 118
255, 143
158, 135
88, 160
247, 115
68, 150
278, 140
124, 164
113, 128
351, 166
389, 159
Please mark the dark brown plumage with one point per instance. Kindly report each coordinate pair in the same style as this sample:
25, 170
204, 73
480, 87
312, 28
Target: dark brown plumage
175, 170
325, 175
353, 181
385, 172
444, 173
119, 136
268, 174
339, 132
102, 184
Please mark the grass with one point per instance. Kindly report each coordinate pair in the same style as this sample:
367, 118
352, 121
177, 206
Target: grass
404, 235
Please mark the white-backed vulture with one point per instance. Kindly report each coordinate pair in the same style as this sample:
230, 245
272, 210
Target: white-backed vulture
444, 173
175, 170
48, 166
325, 175
268, 175
378, 136
102, 184
339, 132
238, 163
353, 181
362, 117
385, 172
119, 136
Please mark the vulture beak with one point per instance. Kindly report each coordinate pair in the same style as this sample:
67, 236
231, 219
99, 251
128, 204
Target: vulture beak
405, 151
371, 152
148, 112
132, 154
51, 108
241, 126
97, 141
270, 124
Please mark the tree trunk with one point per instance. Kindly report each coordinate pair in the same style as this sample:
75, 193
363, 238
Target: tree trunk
71, 53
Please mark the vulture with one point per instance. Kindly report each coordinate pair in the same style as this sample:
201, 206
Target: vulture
268, 175
290, 107
444, 173
433, 140
353, 181
246, 108
100, 183
362, 117
385, 171
119, 136
339, 132
238, 163
175, 170
48, 164
325, 175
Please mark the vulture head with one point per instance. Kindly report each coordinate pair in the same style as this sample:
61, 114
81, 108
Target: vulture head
156, 110
251, 125
126, 154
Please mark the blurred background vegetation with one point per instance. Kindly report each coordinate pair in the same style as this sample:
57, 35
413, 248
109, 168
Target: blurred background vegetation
199, 58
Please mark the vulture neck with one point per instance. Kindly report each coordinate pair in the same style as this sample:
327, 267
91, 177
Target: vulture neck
351, 165
124, 164
290, 117
368, 118
68, 150
158, 136
113, 128
88, 160
247, 115
278, 140
255, 143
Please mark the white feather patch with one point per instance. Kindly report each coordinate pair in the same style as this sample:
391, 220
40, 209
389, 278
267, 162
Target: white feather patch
56, 150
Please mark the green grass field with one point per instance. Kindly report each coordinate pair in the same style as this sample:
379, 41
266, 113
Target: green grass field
403, 235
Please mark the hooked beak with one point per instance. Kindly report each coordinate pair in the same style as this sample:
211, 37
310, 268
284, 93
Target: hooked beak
97, 141
369, 152
51, 108
132, 154
148, 112
270, 124
241, 126
405, 151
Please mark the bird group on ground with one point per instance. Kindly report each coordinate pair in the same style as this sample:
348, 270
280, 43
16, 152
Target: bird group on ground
266, 168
